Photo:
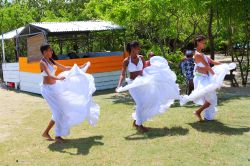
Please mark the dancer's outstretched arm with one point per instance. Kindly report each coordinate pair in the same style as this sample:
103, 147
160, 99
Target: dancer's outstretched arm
207, 67
214, 62
82, 66
44, 67
66, 68
62, 67
123, 73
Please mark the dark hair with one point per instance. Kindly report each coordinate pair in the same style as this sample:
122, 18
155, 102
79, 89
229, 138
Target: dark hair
198, 39
44, 47
131, 45
54, 56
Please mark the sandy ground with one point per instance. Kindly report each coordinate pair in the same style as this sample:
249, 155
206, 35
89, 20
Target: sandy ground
13, 104
227, 59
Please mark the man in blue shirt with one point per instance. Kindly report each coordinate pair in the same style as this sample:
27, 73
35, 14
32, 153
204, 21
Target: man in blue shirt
187, 69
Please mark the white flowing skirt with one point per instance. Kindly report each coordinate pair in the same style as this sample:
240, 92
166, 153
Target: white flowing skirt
205, 87
154, 92
70, 100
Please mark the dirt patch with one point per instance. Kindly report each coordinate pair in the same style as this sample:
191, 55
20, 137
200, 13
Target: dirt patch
13, 109
227, 59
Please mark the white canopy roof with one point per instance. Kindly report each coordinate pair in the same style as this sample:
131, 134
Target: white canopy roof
11, 34
64, 27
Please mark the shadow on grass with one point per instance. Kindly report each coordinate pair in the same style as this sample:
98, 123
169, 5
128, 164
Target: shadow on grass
158, 132
104, 92
215, 126
233, 93
123, 98
82, 145
223, 100
188, 105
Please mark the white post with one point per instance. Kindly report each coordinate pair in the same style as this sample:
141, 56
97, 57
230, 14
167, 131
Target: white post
3, 48
17, 46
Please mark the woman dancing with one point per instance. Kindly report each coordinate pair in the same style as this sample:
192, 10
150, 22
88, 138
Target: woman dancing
68, 95
153, 88
206, 81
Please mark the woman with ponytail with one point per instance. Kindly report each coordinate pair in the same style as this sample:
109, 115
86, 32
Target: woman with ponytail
206, 81
68, 95
153, 88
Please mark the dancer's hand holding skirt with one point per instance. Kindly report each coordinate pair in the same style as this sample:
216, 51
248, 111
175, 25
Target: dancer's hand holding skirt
154, 92
205, 86
71, 100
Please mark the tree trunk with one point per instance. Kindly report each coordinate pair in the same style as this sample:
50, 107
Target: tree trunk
230, 43
210, 33
247, 29
161, 46
247, 64
241, 67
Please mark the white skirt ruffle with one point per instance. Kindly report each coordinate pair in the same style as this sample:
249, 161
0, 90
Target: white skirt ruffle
154, 92
205, 87
71, 100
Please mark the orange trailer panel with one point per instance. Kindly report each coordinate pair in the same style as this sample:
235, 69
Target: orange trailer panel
98, 64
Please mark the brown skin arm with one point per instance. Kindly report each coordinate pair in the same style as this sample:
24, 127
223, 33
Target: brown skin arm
62, 67
202, 70
143, 61
123, 73
66, 68
207, 69
214, 62
44, 67
82, 66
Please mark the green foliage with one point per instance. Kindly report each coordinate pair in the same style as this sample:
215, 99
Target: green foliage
174, 60
161, 26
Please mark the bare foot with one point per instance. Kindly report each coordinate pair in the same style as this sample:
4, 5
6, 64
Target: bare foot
59, 140
198, 116
47, 136
145, 129
142, 129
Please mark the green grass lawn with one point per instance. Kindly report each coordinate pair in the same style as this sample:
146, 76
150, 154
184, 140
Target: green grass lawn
175, 138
